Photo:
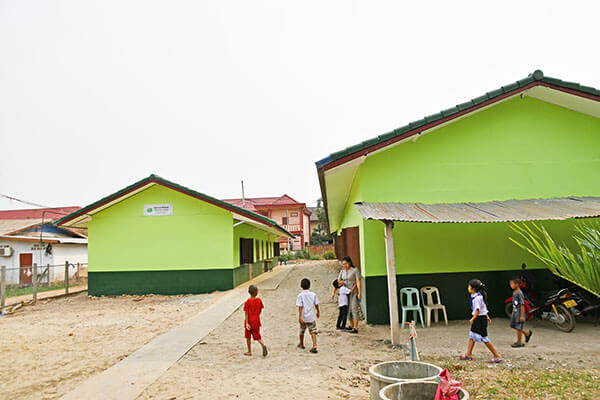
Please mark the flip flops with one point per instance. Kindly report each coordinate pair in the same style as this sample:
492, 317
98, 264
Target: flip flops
313, 350
466, 358
517, 344
301, 347
495, 360
528, 336
265, 351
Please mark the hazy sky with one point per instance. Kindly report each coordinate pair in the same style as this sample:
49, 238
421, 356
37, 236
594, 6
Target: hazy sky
95, 95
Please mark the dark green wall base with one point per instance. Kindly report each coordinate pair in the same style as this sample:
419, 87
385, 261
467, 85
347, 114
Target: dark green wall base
241, 274
170, 282
453, 291
159, 282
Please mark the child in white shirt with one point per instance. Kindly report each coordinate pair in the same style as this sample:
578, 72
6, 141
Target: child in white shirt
342, 303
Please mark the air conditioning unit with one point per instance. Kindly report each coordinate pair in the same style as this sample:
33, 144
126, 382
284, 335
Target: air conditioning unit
6, 251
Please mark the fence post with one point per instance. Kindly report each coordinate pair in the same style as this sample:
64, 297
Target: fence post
35, 282
48, 275
66, 277
3, 286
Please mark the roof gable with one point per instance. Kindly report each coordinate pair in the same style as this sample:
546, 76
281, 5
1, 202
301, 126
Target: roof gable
83, 215
536, 85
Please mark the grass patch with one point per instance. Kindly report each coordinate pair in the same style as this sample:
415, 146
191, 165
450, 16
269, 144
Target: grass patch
506, 383
15, 290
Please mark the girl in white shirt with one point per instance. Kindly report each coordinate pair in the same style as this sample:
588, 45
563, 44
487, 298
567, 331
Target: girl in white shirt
479, 321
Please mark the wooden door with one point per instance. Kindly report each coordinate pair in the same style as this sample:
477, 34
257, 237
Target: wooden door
348, 244
246, 251
26, 271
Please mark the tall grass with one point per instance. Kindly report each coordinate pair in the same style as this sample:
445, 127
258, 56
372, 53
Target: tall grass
581, 267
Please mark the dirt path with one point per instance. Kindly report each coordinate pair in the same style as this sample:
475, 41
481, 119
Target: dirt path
49, 348
218, 370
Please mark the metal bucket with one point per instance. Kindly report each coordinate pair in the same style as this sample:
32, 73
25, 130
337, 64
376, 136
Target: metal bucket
414, 391
389, 372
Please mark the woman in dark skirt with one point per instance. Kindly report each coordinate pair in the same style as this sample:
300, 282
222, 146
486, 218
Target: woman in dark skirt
479, 321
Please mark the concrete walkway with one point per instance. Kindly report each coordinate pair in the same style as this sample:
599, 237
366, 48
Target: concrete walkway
129, 377
11, 301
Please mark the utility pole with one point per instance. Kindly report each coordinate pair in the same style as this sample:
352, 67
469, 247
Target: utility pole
243, 196
287, 220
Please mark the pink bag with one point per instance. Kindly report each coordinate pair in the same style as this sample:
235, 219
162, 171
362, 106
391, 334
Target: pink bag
448, 388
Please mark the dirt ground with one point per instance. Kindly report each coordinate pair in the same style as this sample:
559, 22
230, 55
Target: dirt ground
218, 370
49, 348
57, 344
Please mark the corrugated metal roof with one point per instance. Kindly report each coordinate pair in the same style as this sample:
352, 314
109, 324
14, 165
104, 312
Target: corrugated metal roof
493, 211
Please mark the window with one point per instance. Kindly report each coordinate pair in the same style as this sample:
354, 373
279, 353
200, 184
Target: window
284, 221
294, 214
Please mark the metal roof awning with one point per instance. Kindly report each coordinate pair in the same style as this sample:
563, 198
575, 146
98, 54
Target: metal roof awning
493, 211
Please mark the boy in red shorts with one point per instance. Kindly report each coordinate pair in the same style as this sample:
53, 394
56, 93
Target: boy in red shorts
252, 309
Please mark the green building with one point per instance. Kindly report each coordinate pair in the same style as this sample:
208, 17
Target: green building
156, 236
448, 185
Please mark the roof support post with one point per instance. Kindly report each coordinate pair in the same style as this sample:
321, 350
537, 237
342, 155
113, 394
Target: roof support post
391, 282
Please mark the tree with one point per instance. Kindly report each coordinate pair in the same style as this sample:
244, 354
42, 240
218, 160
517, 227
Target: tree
320, 234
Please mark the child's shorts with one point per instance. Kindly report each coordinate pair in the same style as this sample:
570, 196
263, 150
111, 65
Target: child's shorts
515, 321
254, 332
311, 326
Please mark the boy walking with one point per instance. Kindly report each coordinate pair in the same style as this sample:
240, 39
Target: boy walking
517, 319
252, 309
342, 303
307, 302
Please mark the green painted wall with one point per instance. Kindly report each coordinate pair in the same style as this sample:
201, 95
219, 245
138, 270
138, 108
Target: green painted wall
248, 231
522, 148
519, 149
197, 236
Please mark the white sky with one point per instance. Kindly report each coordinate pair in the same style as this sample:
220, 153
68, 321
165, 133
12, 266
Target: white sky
95, 95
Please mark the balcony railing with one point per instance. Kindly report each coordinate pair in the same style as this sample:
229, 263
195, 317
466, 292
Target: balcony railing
292, 227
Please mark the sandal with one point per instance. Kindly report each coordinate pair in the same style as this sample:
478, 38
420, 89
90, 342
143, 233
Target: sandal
528, 336
265, 351
301, 346
313, 350
248, 354
495, 360
466, 358
517, 344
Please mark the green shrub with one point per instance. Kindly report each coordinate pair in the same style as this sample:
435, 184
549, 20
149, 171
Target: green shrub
315, 257
329, 255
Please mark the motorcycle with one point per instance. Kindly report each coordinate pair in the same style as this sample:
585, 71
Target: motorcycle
587, 303
555, 307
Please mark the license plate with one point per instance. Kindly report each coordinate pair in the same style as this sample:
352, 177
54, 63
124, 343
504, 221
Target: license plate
570, 303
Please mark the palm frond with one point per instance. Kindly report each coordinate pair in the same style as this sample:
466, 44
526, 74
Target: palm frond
581, 268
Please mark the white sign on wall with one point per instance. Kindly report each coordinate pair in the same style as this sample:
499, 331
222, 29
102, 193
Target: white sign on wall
151, 210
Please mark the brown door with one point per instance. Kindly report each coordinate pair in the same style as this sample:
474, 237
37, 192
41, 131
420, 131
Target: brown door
246, 252
25, 262
348, 244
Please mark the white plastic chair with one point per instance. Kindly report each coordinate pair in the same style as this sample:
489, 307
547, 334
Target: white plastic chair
432, 302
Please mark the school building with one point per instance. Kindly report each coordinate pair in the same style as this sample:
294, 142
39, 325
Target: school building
431, 203
156, 236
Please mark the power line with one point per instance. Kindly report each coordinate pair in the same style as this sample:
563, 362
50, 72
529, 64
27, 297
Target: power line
23, 201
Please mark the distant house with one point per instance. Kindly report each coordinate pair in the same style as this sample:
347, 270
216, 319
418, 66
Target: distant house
156, 236
292, 215
28, 237
430, 203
